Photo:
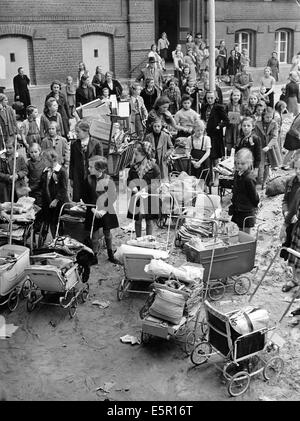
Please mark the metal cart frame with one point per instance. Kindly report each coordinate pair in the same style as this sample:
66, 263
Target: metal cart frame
245, 355
131, 270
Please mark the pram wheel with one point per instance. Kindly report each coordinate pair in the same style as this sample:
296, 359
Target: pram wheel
216, 290
238, 384
145, 338
73, 308
85, 293
161, 221
190, 342
230, 369
121, 289
26, 287
31, 299
204, 328
242, 285
201, 353
42, 234
13, 300
144, 311
273, 368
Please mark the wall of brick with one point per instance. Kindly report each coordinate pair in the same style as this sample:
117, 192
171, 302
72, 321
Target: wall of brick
55, 29
262, 17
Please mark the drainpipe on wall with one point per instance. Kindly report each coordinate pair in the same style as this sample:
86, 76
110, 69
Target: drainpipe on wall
212, 44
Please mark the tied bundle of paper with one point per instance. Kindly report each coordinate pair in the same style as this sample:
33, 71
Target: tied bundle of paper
200, 245
190, 230
148, 241
225, 167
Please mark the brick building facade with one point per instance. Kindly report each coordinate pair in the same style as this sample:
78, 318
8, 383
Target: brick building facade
118, 33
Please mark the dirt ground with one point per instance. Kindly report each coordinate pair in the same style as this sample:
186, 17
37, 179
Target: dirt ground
51, 357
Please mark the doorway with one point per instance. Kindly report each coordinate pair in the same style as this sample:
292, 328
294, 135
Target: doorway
14, 54
167, 17
96, 50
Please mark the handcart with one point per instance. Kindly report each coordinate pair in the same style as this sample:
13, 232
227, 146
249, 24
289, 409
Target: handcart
228, 264
134, 265
245, 355
184, 331
13, 281
56, 281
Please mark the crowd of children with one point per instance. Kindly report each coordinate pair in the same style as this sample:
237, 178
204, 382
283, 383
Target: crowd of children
166, 113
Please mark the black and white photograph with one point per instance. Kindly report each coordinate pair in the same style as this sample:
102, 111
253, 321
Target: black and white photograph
150, 203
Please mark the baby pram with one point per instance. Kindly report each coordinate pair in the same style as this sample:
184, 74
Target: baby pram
56, 280
245, 355
13, 282
60, 273
226, 264
135, 262
71, 222
184, 331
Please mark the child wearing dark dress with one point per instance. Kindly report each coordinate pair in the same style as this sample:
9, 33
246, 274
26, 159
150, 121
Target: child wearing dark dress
245, 198
102, 193
54, 186
247, 139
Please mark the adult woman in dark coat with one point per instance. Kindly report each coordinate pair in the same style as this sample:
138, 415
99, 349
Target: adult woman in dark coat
292, 97
113, 85
82, 150
102, 192
161, 112
21, 83
144, 175
149, 94
85, 92
216, 118
98, 80
63, 107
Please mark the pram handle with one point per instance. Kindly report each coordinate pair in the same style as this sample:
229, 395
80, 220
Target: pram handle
89, 205
291, 251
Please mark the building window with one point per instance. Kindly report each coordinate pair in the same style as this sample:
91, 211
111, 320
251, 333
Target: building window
246, 40
282, 45
96, 53
243, 39
12, 57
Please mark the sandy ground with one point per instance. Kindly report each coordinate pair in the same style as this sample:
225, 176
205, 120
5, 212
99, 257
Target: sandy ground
51, 357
